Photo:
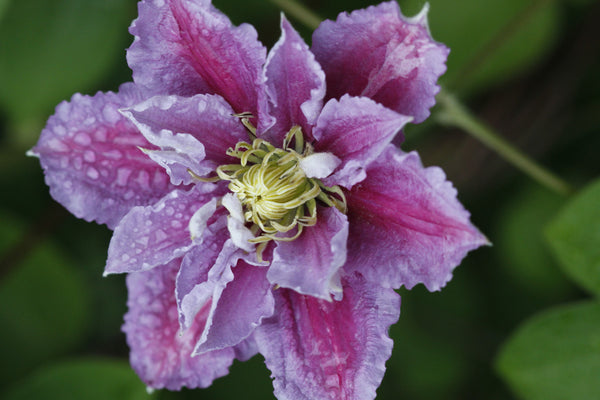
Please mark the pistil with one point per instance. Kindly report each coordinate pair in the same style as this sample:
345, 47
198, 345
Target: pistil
275, 193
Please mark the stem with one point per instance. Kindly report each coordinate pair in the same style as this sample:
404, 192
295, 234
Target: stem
300, 12
455, 114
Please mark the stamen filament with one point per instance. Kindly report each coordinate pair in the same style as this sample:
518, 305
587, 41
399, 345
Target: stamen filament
276, 195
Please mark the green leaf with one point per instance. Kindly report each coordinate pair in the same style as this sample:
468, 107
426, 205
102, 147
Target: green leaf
520, 246
53, 48
555, 355
45, 306
522, 33
3, 6
93, 379
574, 237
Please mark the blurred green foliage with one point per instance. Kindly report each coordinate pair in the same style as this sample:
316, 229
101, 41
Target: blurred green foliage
45, 305
51, 49
520, 246
58, 314
90, 379
556, 355
574, 236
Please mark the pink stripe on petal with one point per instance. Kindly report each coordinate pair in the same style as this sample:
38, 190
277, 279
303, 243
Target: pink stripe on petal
92, 163
379, 53
295, 84
406, 224
189, 47
329, 350
160, 353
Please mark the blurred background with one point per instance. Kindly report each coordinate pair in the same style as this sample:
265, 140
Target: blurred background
530, 69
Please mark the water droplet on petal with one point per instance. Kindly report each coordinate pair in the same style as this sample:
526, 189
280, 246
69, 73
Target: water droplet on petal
92, 173
113, 154
122, 176
100, 135
57, 145
83, 139
77, 163
89, 156
143, 179
110, 114
129, 195
176, 224
160, 235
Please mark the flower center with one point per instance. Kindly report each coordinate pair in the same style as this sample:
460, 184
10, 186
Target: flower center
275, 193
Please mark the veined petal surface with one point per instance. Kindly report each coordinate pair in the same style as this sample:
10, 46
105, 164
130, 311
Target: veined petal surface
160, 352
320, 350
92, 163
310, 264
188, 47
199, 273
406, 224
357, 130
379, 53
238, 308
295, 83
154, 235
193, 133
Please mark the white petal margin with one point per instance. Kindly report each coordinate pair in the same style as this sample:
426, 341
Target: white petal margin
240, 235
319, 165
198, 222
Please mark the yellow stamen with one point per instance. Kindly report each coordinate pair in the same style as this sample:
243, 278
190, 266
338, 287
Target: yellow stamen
275, 193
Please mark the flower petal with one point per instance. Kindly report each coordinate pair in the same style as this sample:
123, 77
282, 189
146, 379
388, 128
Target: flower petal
246, 349
90, 156
160, 352
193, 132
379, 53
154, 235
310, 264
236, 224
319, 165
295, 83
189, 47
201, 270
406, 225
239, 308
357, 130
329, 350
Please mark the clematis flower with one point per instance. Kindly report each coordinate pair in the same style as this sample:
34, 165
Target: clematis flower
257, 201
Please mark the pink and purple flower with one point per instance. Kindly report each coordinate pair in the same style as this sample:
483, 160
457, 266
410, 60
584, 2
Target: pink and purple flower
257, 201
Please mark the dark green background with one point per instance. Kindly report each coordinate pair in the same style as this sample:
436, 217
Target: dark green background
528, 68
